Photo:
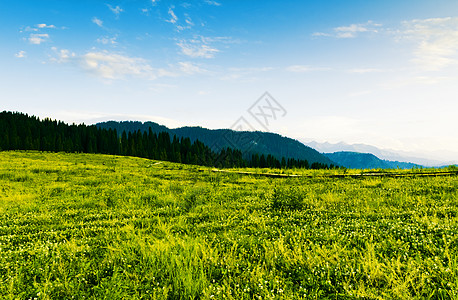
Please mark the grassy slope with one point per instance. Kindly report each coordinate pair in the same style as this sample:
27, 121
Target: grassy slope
104, 227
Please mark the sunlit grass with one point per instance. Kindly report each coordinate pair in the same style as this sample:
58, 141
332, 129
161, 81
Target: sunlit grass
105, 227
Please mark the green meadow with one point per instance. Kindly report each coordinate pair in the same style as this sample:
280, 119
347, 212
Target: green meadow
88, 226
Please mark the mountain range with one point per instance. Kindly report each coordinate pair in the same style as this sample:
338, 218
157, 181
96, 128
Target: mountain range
356, 156
428, 160
195, 145
249, 142
355, 160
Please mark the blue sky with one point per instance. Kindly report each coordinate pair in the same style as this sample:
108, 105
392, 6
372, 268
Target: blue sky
383, 73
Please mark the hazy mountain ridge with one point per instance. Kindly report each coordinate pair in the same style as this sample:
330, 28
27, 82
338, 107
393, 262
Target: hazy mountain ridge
384, 154
249, 142
355, 160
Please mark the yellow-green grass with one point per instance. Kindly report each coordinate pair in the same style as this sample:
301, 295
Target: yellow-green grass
85, 226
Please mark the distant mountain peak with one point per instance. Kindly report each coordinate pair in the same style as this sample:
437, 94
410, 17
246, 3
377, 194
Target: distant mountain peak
356, 160
384, 154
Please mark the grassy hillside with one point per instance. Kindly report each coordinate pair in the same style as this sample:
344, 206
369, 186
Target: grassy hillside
107, 227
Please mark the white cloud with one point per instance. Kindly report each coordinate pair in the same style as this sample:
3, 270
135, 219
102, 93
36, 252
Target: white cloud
97, 21
218, 39
38, 38
197, 49
180, 27
105, 64
321, 34
189, 21
28, 28
435, 40
182, 23
20, 54
351, 31
105, 40
115, 66
211, 2
190, 68
173, 17
37, 27
62, 55
116, 10
304, 68
45, 26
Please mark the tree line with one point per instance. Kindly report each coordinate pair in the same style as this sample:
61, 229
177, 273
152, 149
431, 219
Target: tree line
19, 131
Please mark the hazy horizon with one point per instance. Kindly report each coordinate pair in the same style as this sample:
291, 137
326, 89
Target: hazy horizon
379, 73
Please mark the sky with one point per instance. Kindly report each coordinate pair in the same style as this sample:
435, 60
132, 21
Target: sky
382, 73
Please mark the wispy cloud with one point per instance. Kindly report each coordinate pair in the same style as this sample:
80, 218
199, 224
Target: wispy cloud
218, 39
45, 26
173, 16
182, 23
105, 40
37, 27
435, 40
204, 47
62, 55
211, 2
116, 10
28, 28
305, 68
318, 34
38, 38
351, 31
188, 20
105, 64
190, 68
197, 48
245, 74
115, 66
97, 21
20, 54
